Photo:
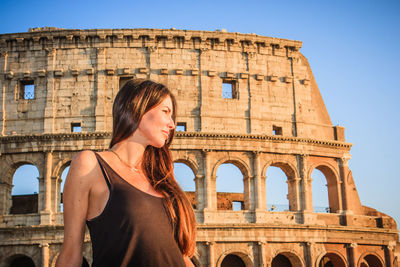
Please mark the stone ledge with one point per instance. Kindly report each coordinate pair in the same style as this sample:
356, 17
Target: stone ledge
105, 135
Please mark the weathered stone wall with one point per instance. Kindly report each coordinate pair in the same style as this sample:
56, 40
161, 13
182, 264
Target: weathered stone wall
276, 117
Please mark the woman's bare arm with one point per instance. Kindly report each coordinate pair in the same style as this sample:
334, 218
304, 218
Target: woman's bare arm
188, 262
76, 199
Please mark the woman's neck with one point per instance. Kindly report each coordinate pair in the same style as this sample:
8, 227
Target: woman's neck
130, 151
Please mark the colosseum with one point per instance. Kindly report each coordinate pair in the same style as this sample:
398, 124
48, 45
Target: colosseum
244, 99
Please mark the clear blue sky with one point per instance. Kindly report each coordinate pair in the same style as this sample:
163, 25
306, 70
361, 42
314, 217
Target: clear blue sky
352, 47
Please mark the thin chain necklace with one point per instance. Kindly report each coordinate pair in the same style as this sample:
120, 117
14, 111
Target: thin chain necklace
124, 162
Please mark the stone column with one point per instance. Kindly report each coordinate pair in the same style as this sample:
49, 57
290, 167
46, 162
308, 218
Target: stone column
5, 200
200, 201
45, 254
3, 67
308, 255
294, 194
261, 254
99, 86
211, 254
49, 110
209, 183
345, 196
351, 254
259, 185
389, 254
306, 191
45, 208
248, 187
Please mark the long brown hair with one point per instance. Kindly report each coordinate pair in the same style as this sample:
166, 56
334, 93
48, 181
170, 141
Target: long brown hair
133, 100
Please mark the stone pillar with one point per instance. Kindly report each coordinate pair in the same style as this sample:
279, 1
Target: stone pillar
345, 191
308, 255
261, 254
45, 254
3, 67
248, 188
211, 254
389, 254
259, 184
49, 110
200, 201
306, 190
5, 199
45, 207
294, 194
351, 254
210, 195
99, 86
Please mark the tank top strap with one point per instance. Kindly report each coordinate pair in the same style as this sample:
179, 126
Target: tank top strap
105, 174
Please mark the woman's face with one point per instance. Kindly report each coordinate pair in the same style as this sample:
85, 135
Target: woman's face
156, 124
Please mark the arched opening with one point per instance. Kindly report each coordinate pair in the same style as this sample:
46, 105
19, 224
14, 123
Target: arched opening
281, 261
319, 192
25, 190
85, 262
22, 261
232, 260
230, 188
331, 260
371, 261
333, 188
276, 189
185, 178
63, 178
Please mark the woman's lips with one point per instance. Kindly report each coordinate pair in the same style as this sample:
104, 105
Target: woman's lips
165, 133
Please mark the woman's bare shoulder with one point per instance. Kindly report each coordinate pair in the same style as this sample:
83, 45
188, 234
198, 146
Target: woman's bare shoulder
83, 165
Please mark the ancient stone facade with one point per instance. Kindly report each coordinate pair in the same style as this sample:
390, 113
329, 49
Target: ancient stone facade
271, 115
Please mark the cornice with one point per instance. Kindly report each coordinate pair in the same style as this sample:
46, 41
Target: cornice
178, 135
214, 39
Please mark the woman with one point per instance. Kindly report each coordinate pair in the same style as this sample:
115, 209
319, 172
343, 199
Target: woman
136, 212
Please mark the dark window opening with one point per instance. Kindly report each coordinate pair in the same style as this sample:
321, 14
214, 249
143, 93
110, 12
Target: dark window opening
123, 80
229, 89
76, 127
27, 90
237, 205
181, 127
277, 130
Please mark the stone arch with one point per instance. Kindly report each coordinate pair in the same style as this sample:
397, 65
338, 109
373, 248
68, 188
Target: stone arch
242, 254
189, 162
25, 260
57, 181
294, 258
244, 169
370, 259
238, 162
9, 173
334, 256
333, 182
193, 196
287, 167
7, 179
292, 182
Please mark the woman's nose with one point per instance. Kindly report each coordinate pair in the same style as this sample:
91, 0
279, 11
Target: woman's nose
171, 124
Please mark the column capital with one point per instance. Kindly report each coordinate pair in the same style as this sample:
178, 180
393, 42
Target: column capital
210, 243
345, 159
50, 51
3, 53
352, 245
43, 245
199, 176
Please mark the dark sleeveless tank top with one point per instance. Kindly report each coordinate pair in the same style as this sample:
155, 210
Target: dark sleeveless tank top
133, 229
